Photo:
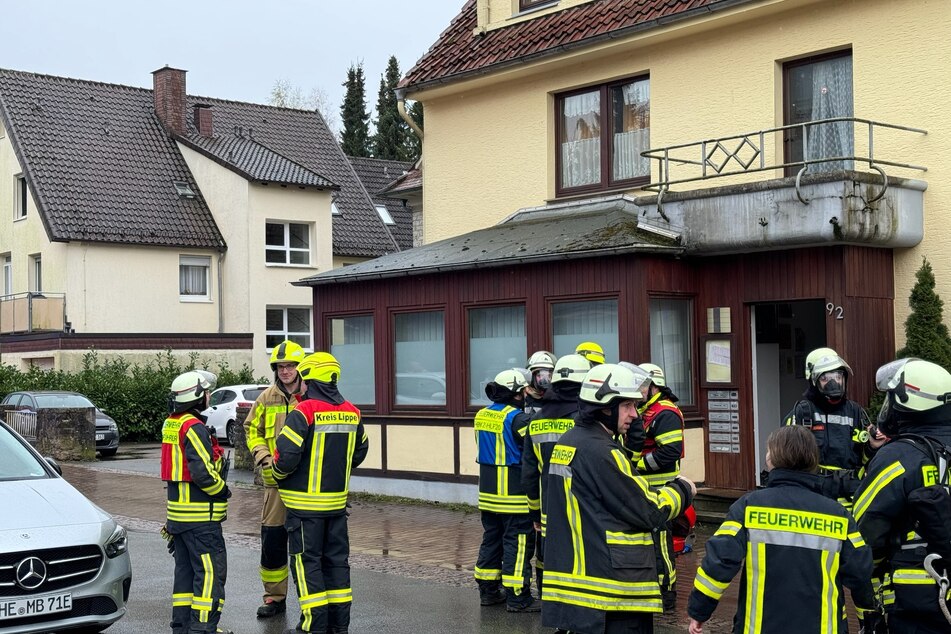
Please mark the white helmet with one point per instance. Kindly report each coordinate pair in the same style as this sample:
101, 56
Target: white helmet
190, 388
824, 360
656, 373
913, 388
571, 368
515, 379
611, 382
541, 359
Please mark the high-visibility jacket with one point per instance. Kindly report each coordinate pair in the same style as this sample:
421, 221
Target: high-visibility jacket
599, 547
556, 416
318, 446
191, 466
881, 512
839, 430
264, 422
659, 460
499, 434
797, 549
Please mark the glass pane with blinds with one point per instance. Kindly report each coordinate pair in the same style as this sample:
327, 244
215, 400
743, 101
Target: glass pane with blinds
193, 276
496, 341
351, 342
575, 322
420, 358
672, 344
274, 320
631, 112
581, 139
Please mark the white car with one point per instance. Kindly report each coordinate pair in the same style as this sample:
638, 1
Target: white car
64, 562
223, 407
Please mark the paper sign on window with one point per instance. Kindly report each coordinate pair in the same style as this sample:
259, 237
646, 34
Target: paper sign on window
718, 360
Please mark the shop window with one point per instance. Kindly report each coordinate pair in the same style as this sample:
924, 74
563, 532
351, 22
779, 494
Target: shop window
420, 358
288, 323
496, 342
672, 344
351, 343
574, 322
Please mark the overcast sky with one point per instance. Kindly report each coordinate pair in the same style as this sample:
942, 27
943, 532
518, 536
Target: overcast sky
232, 49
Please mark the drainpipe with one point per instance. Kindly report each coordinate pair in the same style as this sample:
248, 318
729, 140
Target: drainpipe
221, 303
401, 107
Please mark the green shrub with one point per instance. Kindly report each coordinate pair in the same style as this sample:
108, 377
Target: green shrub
134, 395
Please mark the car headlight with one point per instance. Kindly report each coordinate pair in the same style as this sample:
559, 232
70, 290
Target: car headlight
117, 543
113, 427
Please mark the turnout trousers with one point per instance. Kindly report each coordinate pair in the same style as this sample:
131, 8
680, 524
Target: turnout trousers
508, 543
198, 587
320, 550
273, 546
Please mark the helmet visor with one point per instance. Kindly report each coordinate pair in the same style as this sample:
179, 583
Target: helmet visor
541, 378
891, 378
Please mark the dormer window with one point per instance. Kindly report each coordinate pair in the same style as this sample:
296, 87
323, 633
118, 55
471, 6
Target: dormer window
385, 215
528, 5
184, 190
334, 209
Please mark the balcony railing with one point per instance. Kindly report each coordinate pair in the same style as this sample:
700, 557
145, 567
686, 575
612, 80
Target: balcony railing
747, 153
32, 312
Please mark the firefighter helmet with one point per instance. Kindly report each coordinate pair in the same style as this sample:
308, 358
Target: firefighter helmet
188, 390
287, 352
541, 359
914, 391
319, 366
571, 368
823, 360
607, 383
656, 373
515, 379
591, 351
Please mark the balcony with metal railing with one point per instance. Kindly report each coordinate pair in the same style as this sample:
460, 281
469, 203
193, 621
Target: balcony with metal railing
32, 312
826, 182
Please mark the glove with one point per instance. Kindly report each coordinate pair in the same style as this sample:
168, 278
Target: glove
872, 622
168, 537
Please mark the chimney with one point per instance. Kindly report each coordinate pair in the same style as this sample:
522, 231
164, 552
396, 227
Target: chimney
203, 119
168, 94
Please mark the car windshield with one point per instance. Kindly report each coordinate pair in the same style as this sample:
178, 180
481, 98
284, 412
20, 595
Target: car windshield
62, 400
18, 462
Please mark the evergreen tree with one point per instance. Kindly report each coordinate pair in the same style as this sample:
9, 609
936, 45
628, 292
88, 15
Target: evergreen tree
926, 335
355, 138
414, 146
389, 141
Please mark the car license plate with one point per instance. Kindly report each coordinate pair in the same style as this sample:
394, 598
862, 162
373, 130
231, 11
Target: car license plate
100, 437
32, 606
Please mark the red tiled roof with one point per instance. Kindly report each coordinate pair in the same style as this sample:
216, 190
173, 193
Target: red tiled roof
458, 53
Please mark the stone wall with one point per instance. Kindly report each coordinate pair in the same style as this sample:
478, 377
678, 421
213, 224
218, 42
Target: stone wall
66, 434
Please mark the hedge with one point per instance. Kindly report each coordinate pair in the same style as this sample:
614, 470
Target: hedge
136, 396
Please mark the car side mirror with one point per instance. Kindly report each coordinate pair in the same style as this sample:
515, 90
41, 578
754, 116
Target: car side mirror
55, 465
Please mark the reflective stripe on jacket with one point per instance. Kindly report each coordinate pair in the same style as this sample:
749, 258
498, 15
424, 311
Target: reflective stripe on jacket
191, 463
499, 431
318, 446
264, 422
659, 461
838, 432
556, 416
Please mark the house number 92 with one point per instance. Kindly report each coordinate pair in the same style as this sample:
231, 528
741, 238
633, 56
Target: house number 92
832, 309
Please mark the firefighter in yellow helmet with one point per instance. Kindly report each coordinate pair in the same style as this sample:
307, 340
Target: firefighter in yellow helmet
262, 427
591, 351
322, 440
194, 471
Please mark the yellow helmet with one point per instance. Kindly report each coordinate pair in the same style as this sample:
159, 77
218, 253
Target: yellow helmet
319, 366
286, 352
591, 351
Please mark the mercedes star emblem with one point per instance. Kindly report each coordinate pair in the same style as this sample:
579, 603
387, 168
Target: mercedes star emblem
31, 573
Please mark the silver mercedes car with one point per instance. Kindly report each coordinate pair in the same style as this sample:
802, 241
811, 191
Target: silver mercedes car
64, 562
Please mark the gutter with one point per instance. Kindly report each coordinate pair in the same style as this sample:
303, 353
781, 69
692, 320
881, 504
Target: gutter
221, 303
401, 107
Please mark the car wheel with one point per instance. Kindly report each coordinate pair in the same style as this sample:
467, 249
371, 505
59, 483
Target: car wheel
229, 431
106, 453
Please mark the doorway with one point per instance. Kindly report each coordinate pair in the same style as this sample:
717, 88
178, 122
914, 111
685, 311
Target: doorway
783, 334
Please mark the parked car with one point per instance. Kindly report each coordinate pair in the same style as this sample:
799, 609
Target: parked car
107, 432
222, 412
64, 562
420, 388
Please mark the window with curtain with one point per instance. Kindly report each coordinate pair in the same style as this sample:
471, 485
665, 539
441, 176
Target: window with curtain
672, 344
820, 89
420, 343
7, 275
193, 277
36, 273
602, 132
575, 322
351, 342
287, 243
288, 322
496, 341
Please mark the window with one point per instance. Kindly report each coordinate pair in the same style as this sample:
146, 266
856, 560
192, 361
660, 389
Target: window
420, 358
22, 194
601, 134
819, 88
672, 344
7, 275
496, 341
525, 5
193, 278
287, 323
36, 273
334, 209
222, 396
385, 215
575, 322
351, 342
287, 243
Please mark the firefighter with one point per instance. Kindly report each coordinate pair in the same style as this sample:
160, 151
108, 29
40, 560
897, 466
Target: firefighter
797, 549
917, 401
841, 427
503, 570
321, 442
262, 427
541, 364
193, 468
556, 416
591, 351
599, 549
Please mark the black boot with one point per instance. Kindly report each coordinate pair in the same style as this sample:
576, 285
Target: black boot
521, 602
669, 598
271, 608
491, 594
